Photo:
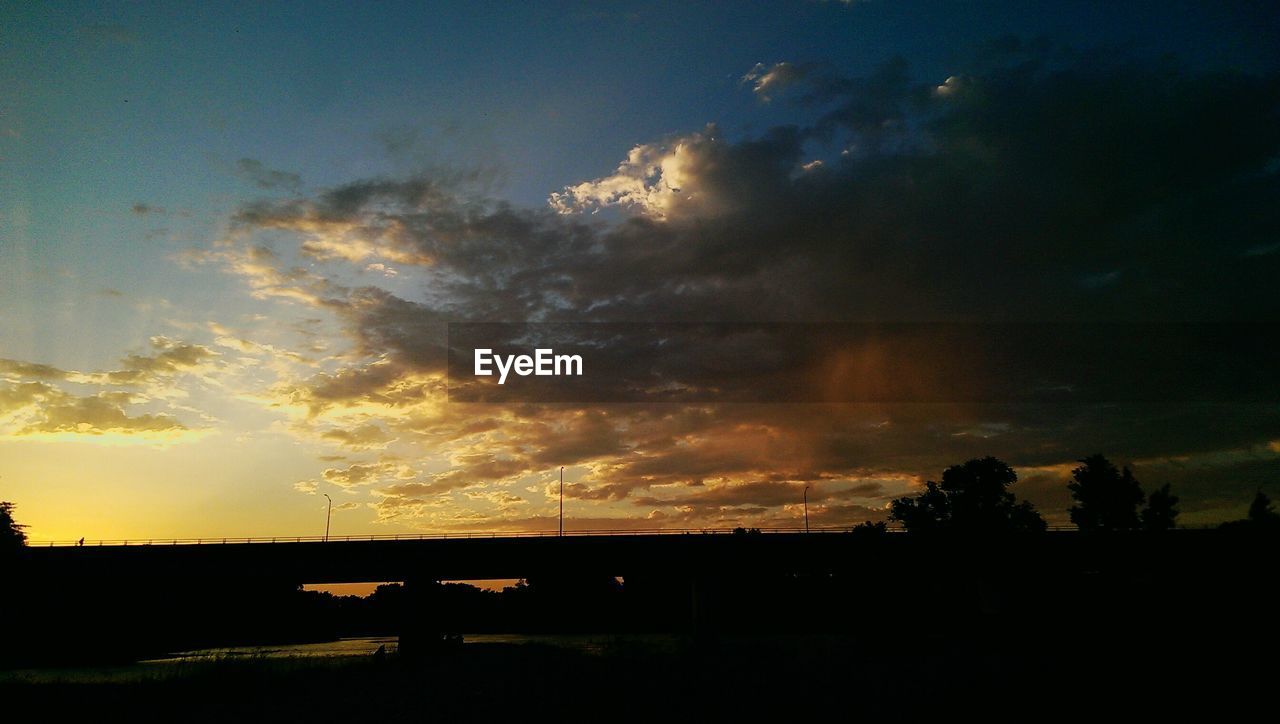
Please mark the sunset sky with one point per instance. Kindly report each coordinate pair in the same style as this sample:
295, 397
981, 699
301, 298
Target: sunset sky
231, 241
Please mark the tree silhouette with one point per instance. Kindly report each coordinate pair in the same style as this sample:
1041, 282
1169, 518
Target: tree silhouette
1262, 517
1106, 498
11, 535
869, 528
1161, 512
973, 497
1262, 512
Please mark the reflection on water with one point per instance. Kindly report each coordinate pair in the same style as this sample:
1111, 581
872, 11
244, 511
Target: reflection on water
360, 646
168, 667
367, 645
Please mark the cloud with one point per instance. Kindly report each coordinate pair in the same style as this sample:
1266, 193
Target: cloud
359, 438
168, 357
762, 494
40, 399
19, 369
265, 273
1025, 186
354, 475
96, 415
40, 409
382, 382
259, 175
15, 397
692, 176
766, 81
360, 474
344, 223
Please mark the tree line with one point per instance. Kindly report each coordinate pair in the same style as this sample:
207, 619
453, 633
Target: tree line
974, 497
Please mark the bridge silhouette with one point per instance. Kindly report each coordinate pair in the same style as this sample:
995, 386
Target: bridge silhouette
695, 560
65, 542
704, 570
478, 556
463, 556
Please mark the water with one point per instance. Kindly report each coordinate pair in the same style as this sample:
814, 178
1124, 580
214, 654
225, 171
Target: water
367, 645
170, 666
357, 646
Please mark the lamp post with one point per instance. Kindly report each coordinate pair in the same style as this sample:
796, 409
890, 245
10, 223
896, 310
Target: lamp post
806, 508
327, 516
561, 500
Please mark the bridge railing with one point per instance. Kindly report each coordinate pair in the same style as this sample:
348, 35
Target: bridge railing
817, 530
464, 535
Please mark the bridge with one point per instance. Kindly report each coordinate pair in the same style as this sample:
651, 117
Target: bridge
477, 556
133, 589
467, 556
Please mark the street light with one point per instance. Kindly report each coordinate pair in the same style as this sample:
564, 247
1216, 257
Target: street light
561, 500
806, 508
327, 516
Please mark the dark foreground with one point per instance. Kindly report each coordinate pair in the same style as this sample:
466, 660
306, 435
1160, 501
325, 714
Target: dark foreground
871, 626
880, 676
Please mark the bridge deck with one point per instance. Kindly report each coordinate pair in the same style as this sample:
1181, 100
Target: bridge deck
339, 561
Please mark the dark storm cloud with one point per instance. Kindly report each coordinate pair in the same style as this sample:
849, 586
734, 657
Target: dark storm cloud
1034, 191
1033, 185
762, 494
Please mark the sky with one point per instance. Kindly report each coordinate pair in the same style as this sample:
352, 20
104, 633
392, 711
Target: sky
232, 238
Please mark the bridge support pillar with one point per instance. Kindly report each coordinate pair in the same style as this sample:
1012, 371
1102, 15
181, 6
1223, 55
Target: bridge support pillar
421, 621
